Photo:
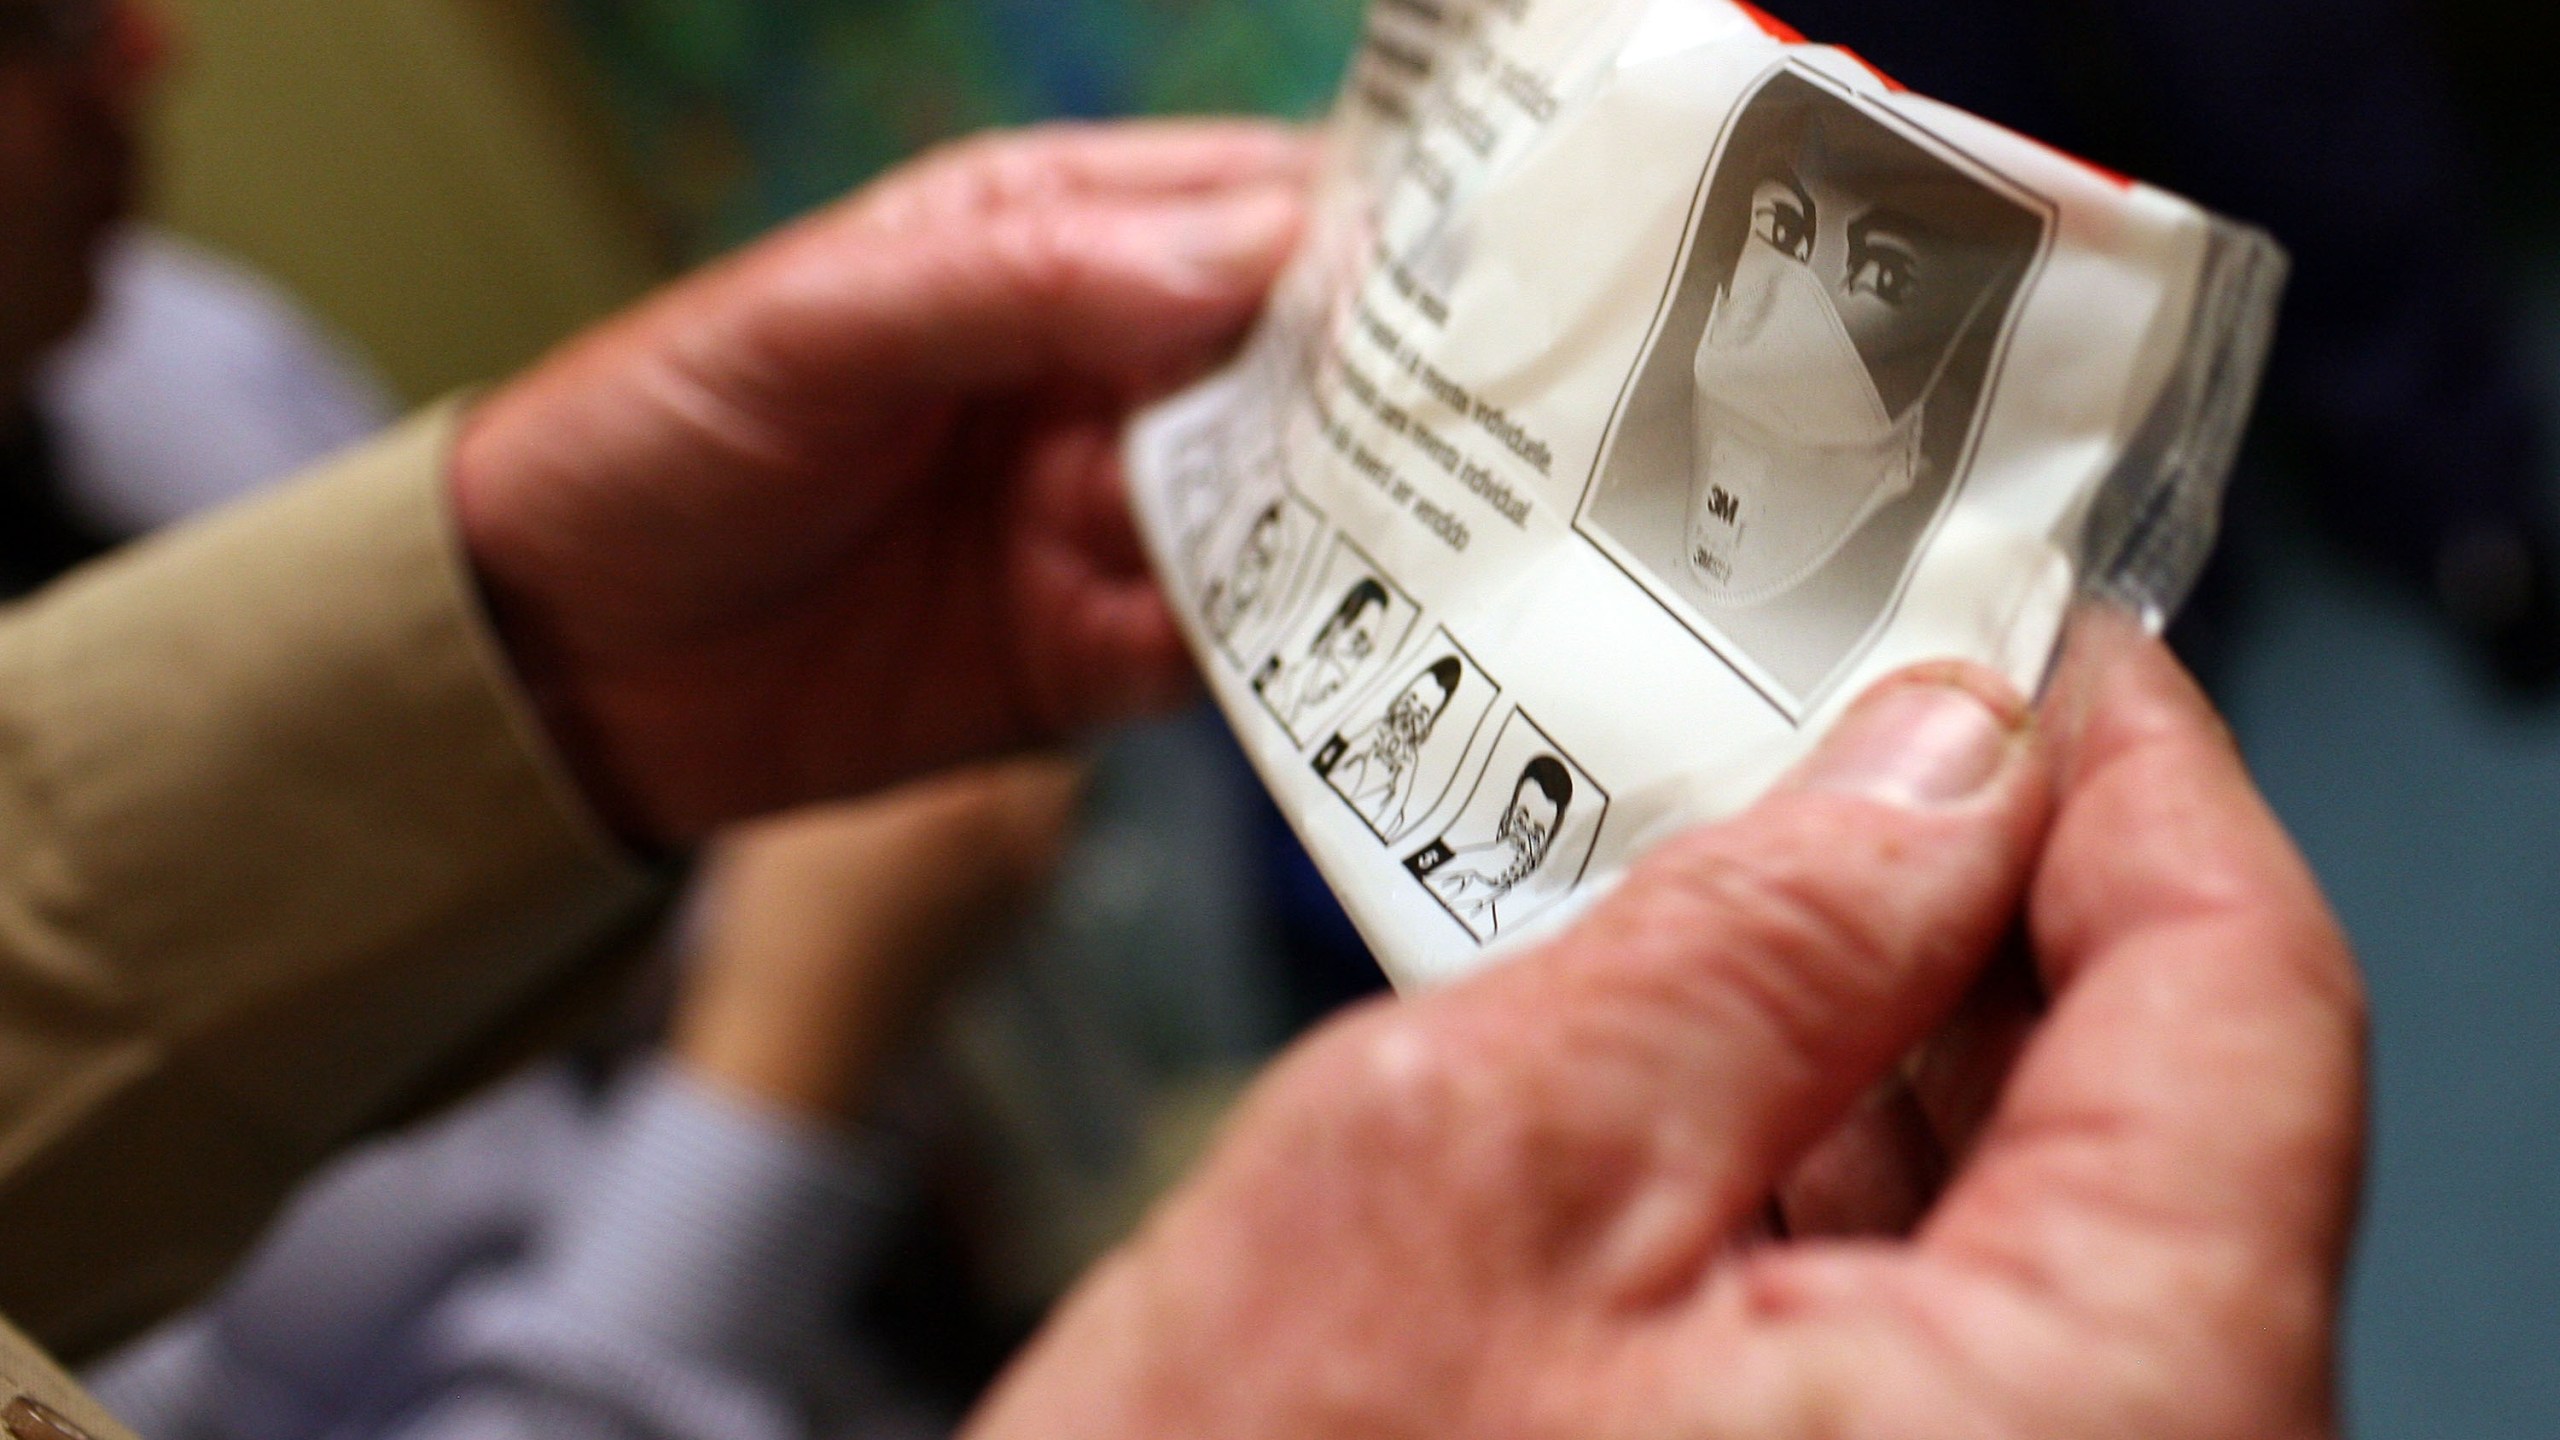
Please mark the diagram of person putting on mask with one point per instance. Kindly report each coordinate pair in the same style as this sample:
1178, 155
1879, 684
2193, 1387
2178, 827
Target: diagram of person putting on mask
1522, 839
1211, 466
1807, 404
1202, 487
1338, 645
1395, 755
1255, 557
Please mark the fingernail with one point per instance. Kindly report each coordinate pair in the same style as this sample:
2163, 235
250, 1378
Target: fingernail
1238, 237
1916, 744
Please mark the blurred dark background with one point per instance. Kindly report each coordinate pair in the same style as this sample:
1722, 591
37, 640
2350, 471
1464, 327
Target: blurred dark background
2382, 630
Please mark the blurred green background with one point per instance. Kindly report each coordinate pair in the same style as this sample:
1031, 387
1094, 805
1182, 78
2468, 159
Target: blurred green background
745, 114
551, 159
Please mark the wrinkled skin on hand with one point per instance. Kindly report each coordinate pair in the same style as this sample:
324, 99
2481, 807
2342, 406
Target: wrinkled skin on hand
1531, 1205
848, 507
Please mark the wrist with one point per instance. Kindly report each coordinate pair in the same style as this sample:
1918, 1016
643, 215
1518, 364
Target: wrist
487, 481
812, 1084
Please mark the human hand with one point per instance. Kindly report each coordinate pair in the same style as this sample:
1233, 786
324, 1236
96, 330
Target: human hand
825, 935
1528, 1205
847, 508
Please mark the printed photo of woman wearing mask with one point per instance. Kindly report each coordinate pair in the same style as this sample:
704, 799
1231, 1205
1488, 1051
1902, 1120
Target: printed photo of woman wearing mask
1809, 400
1522, 840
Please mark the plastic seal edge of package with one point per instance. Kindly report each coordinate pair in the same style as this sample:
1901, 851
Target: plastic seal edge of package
2158, 514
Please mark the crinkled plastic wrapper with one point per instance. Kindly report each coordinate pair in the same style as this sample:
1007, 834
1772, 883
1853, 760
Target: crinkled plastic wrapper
1650, 383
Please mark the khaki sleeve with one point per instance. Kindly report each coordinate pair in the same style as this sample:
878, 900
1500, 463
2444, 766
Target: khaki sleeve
39, 1402
276, 833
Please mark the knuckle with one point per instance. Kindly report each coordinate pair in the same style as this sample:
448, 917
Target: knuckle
1762, 936
2326, 965
2297, 958
1003, 174
1415, 1092
987, 174
1378, 1082
1040, 253
2329, 978
1776, 900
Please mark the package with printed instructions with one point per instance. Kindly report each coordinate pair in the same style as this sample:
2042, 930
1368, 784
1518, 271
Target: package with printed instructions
1651, 382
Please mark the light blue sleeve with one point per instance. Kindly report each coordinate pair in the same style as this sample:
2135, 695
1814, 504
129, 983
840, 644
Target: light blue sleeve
665, 1266
677, 1293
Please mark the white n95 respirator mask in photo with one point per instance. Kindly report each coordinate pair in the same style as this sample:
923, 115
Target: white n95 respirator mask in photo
1793, 448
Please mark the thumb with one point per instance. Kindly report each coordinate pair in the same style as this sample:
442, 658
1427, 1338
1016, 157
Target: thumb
1728, 1004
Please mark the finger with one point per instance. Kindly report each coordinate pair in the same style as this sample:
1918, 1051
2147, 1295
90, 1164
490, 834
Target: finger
1884, 1168
2181, 1139
1087, 591
1116, 292
1958, 1074
1129, 160
1877, 1174
1730, 1003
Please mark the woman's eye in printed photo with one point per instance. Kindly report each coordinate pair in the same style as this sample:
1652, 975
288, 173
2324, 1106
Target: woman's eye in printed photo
1883, 265
1783, 219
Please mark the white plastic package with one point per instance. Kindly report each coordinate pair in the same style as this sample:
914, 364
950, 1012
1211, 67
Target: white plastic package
1650, 383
